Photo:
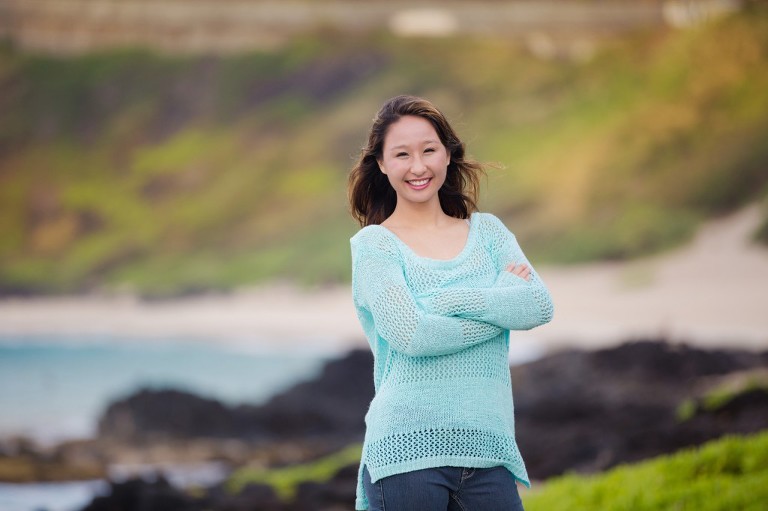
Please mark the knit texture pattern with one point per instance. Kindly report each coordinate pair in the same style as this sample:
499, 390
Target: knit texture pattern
439, 332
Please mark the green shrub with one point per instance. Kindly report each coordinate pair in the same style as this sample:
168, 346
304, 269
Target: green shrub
723, 475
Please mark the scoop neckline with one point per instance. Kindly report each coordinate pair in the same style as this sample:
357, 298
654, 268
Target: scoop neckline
440, 262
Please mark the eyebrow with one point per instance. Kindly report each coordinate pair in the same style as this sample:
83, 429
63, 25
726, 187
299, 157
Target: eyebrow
400, 146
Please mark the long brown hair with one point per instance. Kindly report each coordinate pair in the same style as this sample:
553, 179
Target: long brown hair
372, 199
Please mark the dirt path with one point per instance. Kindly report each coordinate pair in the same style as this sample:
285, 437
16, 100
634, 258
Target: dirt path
712, 292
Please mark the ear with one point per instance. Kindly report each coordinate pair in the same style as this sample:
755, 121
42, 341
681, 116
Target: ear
381, 167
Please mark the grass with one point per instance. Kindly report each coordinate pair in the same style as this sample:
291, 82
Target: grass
286, 480
723, 475
719, 396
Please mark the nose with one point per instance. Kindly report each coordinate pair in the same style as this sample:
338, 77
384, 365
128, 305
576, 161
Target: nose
418, 167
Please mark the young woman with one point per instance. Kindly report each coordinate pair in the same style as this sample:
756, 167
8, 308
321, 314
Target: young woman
437, 286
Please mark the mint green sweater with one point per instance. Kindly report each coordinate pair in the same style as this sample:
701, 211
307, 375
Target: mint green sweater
439, 332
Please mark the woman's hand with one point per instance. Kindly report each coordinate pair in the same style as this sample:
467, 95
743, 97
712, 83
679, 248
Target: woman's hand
521, 270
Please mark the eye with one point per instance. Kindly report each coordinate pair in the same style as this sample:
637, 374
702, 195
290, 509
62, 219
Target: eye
429, 150
400, 155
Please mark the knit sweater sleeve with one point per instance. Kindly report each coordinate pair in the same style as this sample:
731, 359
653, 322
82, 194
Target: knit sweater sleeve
380, 287
512, 303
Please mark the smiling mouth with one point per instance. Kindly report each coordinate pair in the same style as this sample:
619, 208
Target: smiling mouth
419, 183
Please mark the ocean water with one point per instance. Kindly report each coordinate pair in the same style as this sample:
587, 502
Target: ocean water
53, 389
49, 496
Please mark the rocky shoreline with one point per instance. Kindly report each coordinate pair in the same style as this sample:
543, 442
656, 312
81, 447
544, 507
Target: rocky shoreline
576, 410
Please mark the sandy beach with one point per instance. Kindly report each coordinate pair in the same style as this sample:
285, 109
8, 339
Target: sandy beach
711, 292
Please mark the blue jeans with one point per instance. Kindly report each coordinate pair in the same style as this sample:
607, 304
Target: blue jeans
444, 489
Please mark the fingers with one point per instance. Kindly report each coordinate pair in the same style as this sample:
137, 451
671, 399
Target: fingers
522, 270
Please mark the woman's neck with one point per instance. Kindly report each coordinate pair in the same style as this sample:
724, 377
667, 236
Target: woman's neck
418, 215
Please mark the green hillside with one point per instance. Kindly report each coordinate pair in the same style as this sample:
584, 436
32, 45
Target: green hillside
172, 175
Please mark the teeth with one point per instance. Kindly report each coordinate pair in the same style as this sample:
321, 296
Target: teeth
419, 182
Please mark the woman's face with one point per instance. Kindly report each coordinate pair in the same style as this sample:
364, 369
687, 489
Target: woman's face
414, 159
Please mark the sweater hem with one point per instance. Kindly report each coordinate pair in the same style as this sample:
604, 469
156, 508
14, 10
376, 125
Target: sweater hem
446, 461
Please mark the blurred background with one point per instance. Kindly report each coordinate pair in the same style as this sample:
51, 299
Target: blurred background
176, 325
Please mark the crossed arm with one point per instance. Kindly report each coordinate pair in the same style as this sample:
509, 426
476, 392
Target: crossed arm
405, 323
449, 320
518, 300
513, 303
